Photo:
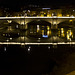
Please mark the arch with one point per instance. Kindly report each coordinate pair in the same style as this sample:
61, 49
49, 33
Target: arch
39, 28
39, 22
8, 29
66, 24
4, 24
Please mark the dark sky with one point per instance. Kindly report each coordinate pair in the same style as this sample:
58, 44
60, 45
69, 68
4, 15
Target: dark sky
17, 3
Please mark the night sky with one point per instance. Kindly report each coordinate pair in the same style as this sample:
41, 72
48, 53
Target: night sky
17, 3
46, 2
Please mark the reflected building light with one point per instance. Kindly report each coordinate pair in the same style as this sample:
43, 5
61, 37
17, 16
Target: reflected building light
38, 28
5, 49
49, 47
54, 22
59, 33
28, 49
72, 36
48, 15
6, 34
73, 10
28, 10
39, 38
48, 32
18, 33
22, 37
3, 34
10, 28
22, 23
9, 21
34, 32
7, 40
54, 46
48, 27
68, 15
70, 20
16, 26
42, 32
72, 16
10, 38
69, 35
52, 14
62, 29
31, 32
45, 36
62, 32
70, 39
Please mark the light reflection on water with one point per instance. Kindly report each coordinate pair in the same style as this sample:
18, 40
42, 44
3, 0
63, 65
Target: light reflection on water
65, 33
46, 32
40, 31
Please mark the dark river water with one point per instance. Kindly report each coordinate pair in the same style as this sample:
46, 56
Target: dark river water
35, 59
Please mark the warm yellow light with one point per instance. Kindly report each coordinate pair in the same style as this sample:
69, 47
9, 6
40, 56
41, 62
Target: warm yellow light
48, 15
22, 37
59, 15
38, 28
69, 35
58, 33
3, 34
54, 22
9, 21
68, 15
37, 31
10, 28
42, 32
44, 13
62, 30
70, 20
71, 73
48, 32
48, 27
